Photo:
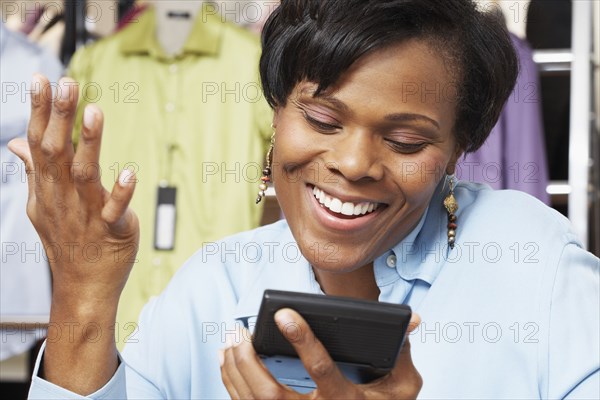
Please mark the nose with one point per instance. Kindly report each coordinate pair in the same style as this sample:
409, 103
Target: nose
357, 157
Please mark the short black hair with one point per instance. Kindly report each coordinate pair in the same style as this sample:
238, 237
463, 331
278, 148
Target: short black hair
318, 40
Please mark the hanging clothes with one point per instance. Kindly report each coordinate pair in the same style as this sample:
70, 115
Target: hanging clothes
24, 273
196, 121
514, 155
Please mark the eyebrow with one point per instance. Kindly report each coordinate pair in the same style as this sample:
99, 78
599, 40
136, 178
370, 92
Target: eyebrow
335, 102
396, 117
401, 117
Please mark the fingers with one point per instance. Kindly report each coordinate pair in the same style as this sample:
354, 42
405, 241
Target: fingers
415, 321
49, 134
56, 143
261, 383
21, 148
55, 153
232, 379
115, 212
41, 106
244, 374
86, 163
311, 351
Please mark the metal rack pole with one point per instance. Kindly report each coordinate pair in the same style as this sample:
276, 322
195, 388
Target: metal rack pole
75, 31
580, 123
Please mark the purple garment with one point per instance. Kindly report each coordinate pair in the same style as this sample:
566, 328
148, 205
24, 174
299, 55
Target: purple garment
514, 155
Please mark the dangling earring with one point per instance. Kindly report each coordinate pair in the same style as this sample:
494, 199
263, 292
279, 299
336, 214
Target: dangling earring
451, 207
266, 176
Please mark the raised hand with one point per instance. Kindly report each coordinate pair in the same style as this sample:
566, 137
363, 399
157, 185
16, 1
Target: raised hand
245, 377
89, 234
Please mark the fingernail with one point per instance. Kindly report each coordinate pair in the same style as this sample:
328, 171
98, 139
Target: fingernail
228, 340
89, 117
283, 317
244, 335
63, 87
36, 84
233, 339
125, 177
221, 354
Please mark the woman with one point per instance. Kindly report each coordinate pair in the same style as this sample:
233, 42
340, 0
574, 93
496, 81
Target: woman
374, 102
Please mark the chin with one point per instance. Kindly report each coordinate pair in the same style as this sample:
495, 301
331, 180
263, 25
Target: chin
327, 257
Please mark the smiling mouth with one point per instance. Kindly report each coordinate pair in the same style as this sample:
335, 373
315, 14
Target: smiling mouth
341, 208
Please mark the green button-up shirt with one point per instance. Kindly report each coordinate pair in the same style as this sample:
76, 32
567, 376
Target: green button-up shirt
197, 121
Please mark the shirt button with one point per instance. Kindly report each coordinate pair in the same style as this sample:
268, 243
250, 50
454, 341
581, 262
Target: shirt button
170, 107
173, 68
391, 261
156, 262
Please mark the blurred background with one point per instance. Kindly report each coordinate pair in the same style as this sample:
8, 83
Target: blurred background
546, 143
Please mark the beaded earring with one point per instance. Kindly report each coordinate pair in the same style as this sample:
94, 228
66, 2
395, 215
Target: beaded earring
266, 173
451, 206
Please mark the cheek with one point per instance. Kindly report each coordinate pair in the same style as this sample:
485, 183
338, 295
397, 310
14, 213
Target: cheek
418, 179
294, 147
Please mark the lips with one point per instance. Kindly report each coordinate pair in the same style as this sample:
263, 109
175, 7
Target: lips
346, 208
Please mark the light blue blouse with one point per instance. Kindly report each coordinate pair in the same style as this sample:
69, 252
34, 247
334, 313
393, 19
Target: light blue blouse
513, 311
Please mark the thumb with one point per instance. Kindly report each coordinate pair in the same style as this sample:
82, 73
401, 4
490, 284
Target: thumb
21, 149
415, 321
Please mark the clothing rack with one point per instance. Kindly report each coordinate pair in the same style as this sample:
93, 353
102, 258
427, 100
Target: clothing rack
579, 192
75, 31
580, 123
76, 34
124, 6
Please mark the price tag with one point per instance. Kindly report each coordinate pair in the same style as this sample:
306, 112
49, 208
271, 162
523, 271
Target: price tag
164, 227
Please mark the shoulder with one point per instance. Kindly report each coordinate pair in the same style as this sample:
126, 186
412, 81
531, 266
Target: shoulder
208, 287
236, 40
235, 31
232, 260
505, 213
104, 51
102, 47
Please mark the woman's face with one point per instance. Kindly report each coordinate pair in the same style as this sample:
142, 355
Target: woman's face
355, 168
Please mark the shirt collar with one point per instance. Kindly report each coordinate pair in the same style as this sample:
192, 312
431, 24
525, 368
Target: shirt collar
205, 37
422, 252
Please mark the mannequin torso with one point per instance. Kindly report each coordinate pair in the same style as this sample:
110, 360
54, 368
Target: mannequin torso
174, 22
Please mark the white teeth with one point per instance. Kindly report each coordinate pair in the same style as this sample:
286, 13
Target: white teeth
346, 208
364, 208
336, 205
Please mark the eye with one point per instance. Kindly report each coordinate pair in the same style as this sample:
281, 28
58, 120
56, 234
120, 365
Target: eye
319, 125
405, 148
